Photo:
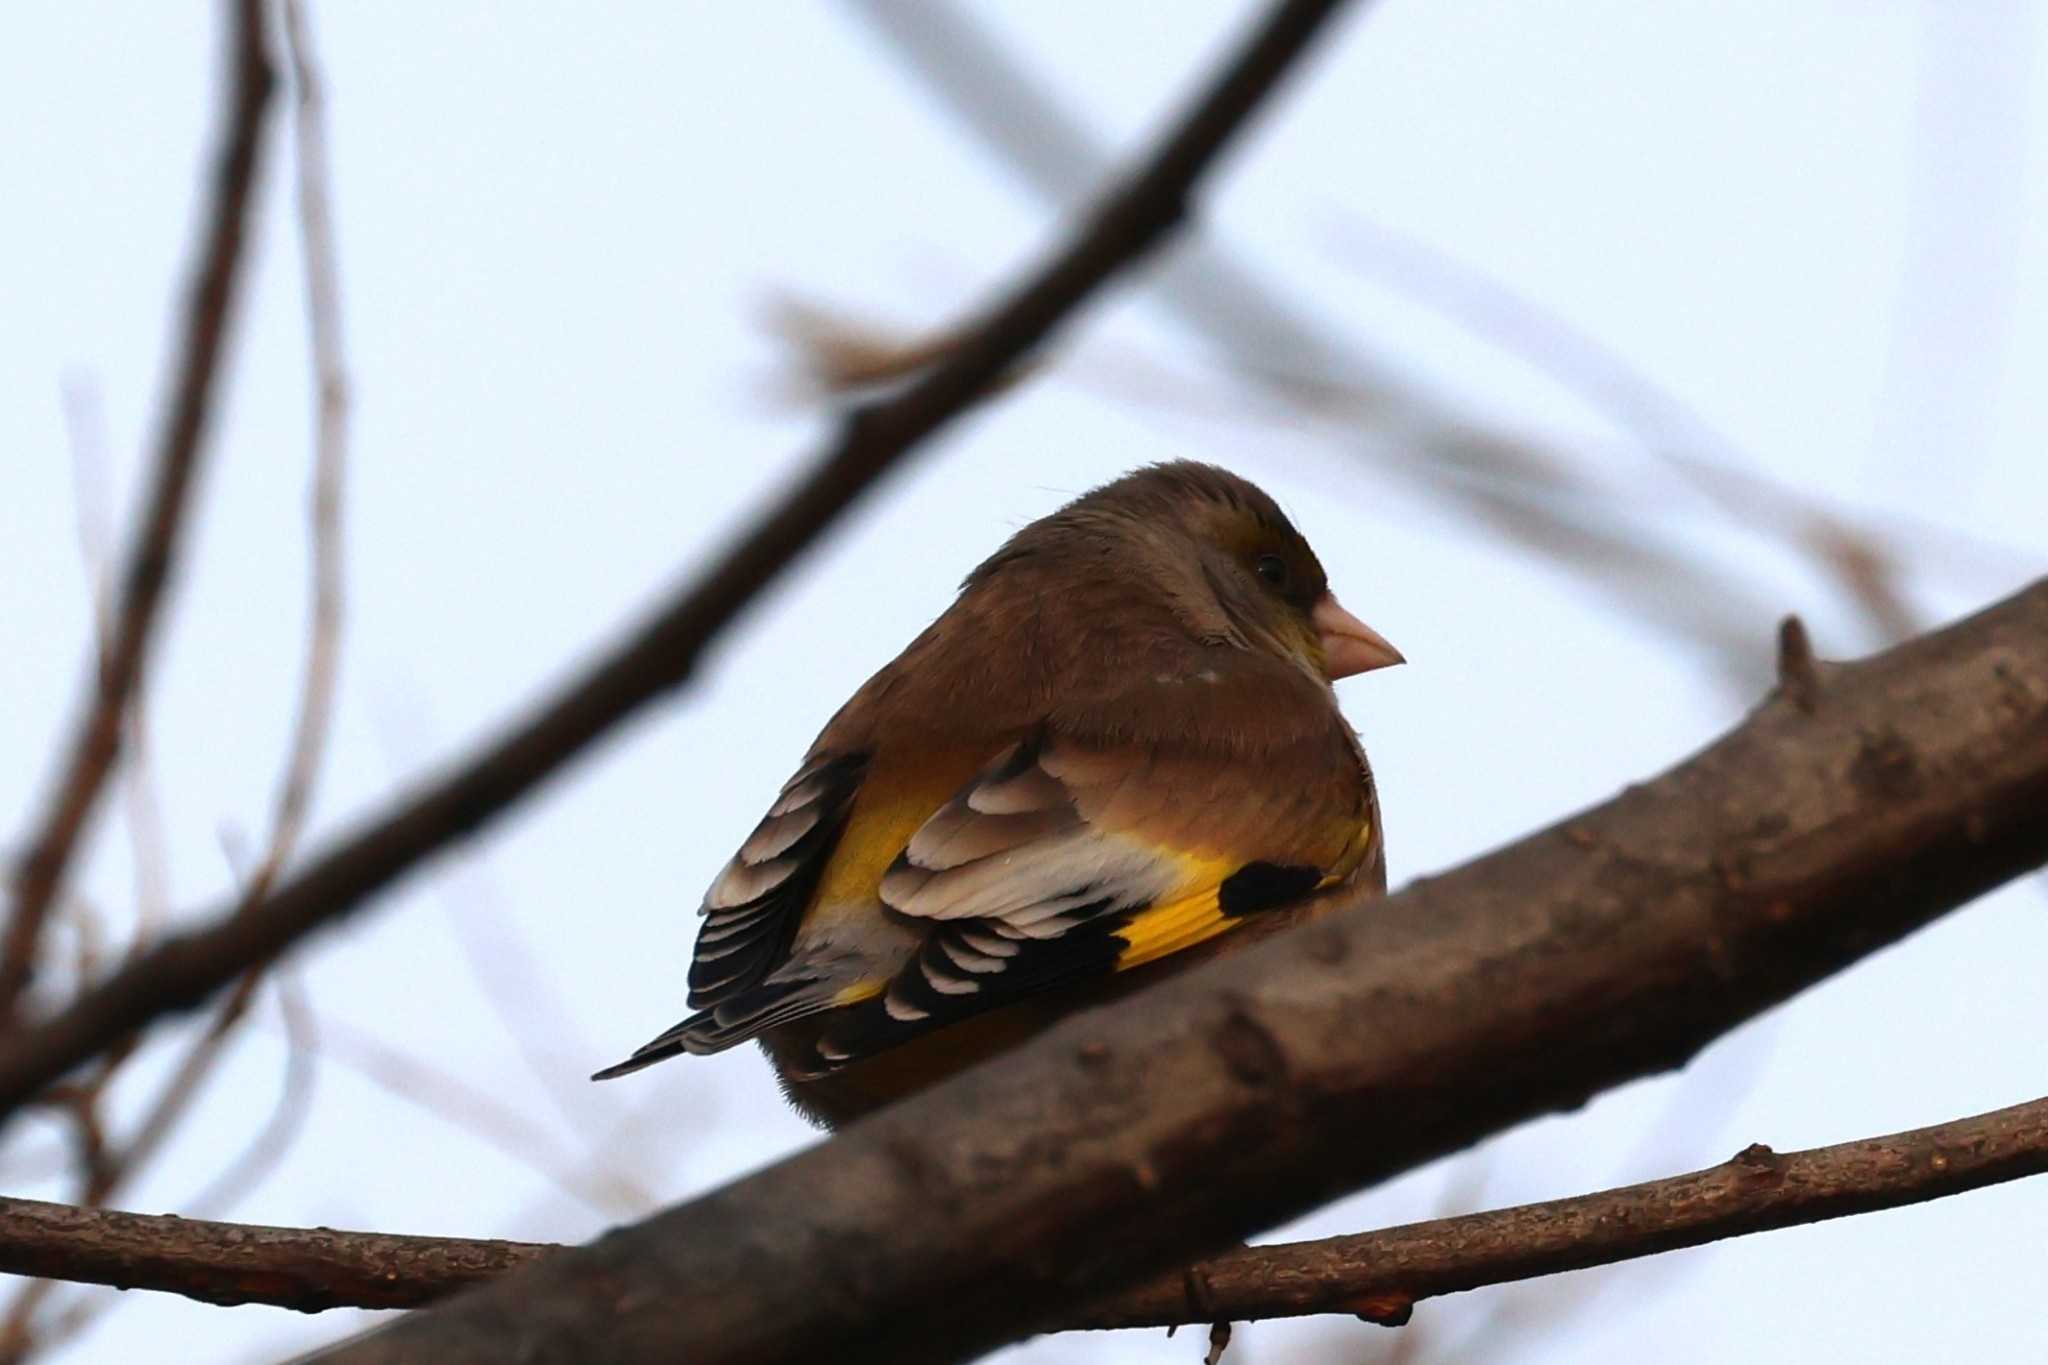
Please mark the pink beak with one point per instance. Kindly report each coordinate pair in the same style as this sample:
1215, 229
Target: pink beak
1349, 645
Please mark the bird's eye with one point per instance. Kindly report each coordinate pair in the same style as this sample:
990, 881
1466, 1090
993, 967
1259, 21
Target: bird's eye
1273, 569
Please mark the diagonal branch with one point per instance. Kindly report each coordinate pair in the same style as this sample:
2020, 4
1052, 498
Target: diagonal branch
1522, 489
185, 970
209, 304
1147, 1133
1379, 1275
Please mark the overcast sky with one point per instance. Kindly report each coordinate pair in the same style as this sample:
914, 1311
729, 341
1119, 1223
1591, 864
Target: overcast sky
561, 226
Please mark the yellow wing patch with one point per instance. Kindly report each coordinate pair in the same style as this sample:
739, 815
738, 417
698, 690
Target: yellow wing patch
1198, 915
1166, 929
892, 802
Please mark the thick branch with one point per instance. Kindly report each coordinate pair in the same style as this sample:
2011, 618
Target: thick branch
209, 302
185, 970
1145, 1134
1378, 1274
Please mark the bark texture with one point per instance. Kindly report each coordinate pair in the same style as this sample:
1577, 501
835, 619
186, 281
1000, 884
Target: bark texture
310, 1269
1614, 944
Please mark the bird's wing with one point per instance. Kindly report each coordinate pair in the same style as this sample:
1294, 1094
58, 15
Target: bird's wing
1078, 851
1063, 860
752, 911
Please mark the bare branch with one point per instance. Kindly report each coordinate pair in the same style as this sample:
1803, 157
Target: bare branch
1382, 1275
184, 971
330, 451
1147, 1133
180, 443
1377, 1275
309, 1269
1530, 495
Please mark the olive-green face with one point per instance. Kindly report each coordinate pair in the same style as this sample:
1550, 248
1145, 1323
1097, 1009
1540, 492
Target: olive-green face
1286, 568
1263, 573
1281, 579
1273, 555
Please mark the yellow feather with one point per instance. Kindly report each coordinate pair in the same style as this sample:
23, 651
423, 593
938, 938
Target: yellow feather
1197, 915
893, 800
859, 991
1166, 929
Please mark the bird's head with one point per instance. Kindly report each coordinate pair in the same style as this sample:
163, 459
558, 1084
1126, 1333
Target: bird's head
1226, 559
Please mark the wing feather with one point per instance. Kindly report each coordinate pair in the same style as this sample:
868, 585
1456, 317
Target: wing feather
752, 910
1072, 855
1042, 870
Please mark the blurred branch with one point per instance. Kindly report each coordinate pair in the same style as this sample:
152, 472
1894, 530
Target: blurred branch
267, 1149
1133, 217
104, 1167
330, 450
517, 985
1864, 563
85, 425
482, 1115
522, 992
1144, 1134
107, 1168
1531, 496
142, 811
208, 304
1376, 1275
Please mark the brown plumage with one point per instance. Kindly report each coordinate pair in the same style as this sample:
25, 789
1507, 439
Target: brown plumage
1116, 753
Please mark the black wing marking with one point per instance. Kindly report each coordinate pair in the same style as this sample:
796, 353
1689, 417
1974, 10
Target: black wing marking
751, 912
969, 966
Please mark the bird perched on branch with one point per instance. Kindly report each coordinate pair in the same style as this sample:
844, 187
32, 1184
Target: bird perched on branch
1116, 753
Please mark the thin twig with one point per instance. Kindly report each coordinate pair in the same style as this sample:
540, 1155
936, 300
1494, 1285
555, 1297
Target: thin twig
86, 429
330, 451
437, 1091
1859, 559
1381, 1275
287, 1117
500, 959
181, 1089
1134, 217
180, 444
178, 1092
522, 994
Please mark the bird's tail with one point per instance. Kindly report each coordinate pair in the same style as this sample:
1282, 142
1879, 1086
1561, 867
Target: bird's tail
694, 1034
735, 1021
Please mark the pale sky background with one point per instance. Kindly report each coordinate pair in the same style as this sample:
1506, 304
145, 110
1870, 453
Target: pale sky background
559, 225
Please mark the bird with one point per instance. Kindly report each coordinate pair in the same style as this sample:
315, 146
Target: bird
1117, 753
